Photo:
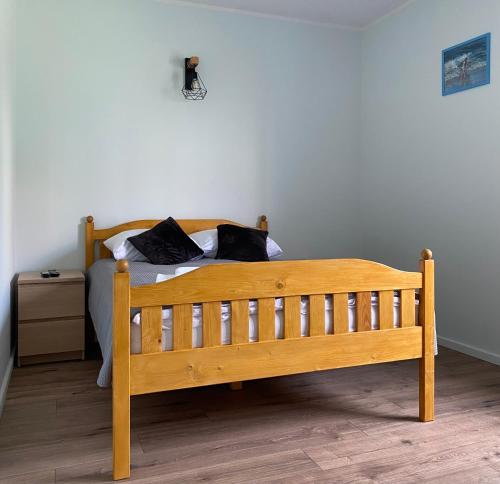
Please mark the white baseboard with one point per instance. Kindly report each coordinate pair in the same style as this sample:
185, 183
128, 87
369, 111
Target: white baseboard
5, 382
470, 350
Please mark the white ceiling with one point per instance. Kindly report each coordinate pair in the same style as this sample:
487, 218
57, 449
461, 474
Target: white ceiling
347, 13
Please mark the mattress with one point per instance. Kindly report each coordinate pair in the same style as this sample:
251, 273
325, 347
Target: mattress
135, 330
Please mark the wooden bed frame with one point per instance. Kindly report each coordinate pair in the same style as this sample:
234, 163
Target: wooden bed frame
155, 370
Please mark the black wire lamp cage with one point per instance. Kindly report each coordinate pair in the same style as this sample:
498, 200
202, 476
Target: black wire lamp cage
194, 89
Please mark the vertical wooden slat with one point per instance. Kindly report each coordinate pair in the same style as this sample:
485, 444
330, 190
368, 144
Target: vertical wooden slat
267, 324
317, 315
151, 329
121, 372
363, 311
386, 309
212, 324
407, 308
341, 313
183, 326
426, 320
292, 317
239, 322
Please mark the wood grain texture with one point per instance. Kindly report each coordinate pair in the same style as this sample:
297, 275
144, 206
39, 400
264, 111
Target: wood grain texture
407, 308
284, 278
317, 315
207, 366
183, 326
266, 319
386, 309
363, 311
215, 364
121, 375
50, 301
340, 313
426, 319
50, 357
292, 317
151, 320
44, 337
89, 242
239, 322
104, 252
347, 425
34, 277
211, 324
263, 223
50, 317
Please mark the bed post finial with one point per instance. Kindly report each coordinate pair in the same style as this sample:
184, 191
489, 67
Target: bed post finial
89, 241
263, 222
426, 320
122, 265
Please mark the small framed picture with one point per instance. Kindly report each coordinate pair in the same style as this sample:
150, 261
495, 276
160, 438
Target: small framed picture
466, 65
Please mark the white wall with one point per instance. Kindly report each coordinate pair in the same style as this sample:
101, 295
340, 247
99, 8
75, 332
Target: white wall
104, 130
6, 157
431, 164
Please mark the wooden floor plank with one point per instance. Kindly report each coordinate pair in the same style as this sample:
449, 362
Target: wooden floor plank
348, 425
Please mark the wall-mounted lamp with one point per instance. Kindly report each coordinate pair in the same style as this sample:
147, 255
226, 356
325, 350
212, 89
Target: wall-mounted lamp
193, 89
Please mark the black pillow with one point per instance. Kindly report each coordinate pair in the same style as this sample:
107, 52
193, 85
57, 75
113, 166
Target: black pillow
241, 243
166, 243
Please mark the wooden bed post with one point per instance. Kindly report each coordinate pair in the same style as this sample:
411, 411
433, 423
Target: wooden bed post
89, 241
121, 371
426, 319
263, 224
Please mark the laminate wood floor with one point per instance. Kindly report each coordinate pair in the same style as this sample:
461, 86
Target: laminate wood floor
342, 426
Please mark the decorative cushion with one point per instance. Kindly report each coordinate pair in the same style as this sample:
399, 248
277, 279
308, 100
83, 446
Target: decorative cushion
207, 241
241, 243
166, 243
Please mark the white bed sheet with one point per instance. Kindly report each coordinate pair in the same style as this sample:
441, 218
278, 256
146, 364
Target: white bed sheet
252, 321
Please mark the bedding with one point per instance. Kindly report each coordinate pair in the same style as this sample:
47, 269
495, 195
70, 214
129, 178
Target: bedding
166, 243
241, 243
208, 242
121, 248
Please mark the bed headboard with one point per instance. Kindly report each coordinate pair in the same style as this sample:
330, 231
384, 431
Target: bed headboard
93, 235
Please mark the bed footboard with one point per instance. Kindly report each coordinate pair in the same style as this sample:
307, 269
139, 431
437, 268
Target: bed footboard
154, 370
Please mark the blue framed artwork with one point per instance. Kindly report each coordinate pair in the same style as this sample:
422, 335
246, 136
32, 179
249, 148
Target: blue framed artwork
466, 65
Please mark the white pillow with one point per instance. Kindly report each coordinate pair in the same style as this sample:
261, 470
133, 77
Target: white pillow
206, 240
123, 249
208, 243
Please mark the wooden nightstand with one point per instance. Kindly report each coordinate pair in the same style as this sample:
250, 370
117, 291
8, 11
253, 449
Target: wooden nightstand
51, 317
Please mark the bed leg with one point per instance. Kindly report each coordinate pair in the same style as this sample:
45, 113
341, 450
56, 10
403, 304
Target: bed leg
236, 385
426, 399
426, 319
121, 372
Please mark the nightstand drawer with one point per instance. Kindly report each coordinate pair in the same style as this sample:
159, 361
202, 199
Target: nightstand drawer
51, 337
48, 301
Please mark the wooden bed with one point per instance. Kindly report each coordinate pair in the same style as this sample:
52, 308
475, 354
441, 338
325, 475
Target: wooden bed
155, 370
